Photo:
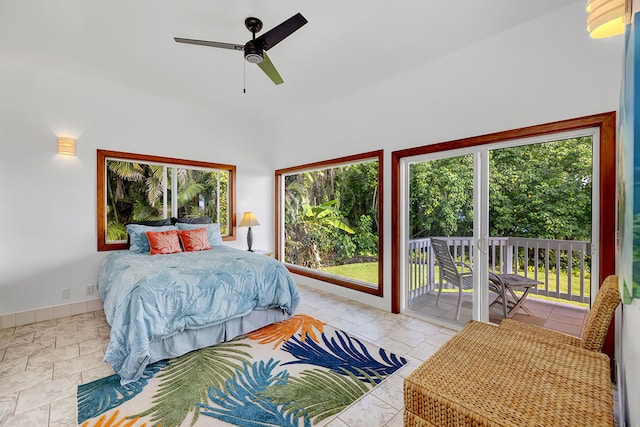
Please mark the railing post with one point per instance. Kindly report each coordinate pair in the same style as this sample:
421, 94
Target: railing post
432, 269
509, 262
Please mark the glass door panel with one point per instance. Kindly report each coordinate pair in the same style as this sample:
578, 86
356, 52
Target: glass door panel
521, 208
440, 201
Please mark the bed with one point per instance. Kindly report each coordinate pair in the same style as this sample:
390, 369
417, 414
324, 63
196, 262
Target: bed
164, 306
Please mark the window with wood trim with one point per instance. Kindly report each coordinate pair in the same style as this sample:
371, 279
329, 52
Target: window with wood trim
137, 187
329, 220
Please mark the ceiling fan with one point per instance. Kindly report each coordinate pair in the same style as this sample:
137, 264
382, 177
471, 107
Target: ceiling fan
255, 50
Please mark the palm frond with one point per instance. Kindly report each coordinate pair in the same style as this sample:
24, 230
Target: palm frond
243, 403
189, 192
114, 421
104, 394
126, 170
155, 184
343, 354
142, 211
283, 331
308, 394
185, 382
116, 232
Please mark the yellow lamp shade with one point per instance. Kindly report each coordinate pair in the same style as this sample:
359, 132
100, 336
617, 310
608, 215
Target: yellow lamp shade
248, 220
605, 18
66, 146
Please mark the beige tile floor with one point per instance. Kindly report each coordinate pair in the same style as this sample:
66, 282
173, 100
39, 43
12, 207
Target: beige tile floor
555, 315
42, 364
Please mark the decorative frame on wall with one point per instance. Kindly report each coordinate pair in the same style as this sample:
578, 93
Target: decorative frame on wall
628, 165
167, 170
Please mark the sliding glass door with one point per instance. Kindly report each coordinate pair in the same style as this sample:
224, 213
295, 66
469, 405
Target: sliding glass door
445, 223
522, 207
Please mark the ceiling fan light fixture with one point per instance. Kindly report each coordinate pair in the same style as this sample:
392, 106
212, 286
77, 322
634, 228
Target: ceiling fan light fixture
252, 54
254, 58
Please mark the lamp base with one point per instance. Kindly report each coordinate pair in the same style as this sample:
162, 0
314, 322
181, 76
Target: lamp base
249, 239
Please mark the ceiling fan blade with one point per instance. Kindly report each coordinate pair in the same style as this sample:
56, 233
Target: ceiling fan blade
280, 32
210, 44
267, 66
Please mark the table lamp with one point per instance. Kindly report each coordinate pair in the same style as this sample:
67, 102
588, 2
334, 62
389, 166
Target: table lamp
249, 220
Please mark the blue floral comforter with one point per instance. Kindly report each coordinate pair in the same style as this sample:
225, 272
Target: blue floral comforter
147, 298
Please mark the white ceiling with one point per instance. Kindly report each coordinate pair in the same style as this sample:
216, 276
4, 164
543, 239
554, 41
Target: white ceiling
347, 46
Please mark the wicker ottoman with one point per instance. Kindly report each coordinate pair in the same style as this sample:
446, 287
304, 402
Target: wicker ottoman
488, 376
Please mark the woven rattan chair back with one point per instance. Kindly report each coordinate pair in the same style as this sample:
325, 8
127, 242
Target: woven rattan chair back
599, 318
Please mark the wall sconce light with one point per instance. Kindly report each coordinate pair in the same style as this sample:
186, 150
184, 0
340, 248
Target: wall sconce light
249, 220
605, 18
66, 146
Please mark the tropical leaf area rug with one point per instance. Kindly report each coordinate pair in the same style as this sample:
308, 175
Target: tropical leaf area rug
300, 372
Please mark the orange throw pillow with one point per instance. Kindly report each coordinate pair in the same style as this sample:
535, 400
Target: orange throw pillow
194, 240
163, 242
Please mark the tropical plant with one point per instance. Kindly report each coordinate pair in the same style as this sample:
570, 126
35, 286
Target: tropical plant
136, 192
325, 212
309, 234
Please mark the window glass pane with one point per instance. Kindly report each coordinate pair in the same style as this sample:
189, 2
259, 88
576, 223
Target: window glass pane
135, 187
135, 192
203, 193
331, 221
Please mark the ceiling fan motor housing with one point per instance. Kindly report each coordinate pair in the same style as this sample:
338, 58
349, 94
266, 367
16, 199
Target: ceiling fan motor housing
252, 54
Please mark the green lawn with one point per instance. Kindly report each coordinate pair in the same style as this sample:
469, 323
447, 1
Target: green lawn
366, 271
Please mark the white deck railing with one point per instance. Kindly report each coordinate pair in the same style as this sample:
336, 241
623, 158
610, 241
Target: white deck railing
543, 258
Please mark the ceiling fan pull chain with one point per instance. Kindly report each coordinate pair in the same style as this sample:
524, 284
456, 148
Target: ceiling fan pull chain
244, 76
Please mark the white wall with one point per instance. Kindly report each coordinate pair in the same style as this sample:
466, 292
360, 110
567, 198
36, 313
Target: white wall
543, 71
48, 238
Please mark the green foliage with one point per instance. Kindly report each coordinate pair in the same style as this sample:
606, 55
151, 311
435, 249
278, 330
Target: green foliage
136, 192
364, 238
345, 246
441, 197
542, 190
536, 191
331, 215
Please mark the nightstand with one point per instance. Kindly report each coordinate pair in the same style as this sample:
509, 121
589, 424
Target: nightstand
263, 252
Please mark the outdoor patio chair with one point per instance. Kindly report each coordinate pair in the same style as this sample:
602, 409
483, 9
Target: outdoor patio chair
460, 275
596, 326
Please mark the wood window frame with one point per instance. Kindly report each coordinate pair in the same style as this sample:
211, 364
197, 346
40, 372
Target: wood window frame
343, 282
101, 195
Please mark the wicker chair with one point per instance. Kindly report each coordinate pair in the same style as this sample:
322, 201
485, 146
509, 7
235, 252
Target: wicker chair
451, 273
595, 329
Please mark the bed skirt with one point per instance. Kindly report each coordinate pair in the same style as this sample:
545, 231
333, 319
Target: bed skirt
193, 339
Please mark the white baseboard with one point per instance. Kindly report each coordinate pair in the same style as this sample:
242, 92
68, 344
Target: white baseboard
49, 313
